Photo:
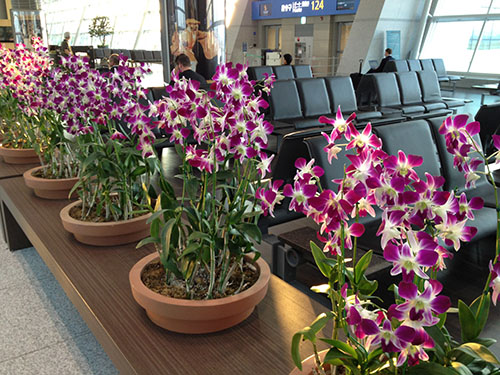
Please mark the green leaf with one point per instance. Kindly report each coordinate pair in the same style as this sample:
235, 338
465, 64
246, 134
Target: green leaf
252, 230
154, 228
478, 351
89, 160
319, 258
442, 344
166, 235
198, 235
461, 369
296, 339
191, 248
319, 323
146, 241
192, 186
342, 346
374, 354
332, 262
485, 341
481, 312
170, 265
467, 322
428, 368
362, 265
156, 215
367, 287
335, 354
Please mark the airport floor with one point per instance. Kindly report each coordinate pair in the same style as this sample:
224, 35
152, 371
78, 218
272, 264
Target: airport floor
41, 331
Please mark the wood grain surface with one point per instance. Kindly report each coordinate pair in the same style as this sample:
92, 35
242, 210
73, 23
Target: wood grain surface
13, 170
96, 281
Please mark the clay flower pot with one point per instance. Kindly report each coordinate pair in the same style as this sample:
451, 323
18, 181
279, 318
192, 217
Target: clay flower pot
194, 316
105, 234
49, 188
19, 155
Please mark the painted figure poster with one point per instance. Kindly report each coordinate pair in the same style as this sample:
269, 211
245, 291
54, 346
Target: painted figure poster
196, 28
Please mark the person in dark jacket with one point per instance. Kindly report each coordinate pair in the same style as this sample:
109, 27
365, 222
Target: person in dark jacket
388, 57
183, 67
287, 59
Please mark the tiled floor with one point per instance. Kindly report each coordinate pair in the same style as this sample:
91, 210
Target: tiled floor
40, 330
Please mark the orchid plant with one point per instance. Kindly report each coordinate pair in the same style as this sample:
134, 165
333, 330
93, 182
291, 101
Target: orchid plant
206, 231
23, 73
418, 218
106, 115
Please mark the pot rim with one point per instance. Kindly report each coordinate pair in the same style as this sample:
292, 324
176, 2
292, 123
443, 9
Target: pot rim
29, 175
65, 217
17, 150
136, 272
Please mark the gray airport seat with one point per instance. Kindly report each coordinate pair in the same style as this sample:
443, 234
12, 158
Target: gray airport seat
414, 65
388, 96
256, 73
396, 66
341, 93
302, 71
283, 72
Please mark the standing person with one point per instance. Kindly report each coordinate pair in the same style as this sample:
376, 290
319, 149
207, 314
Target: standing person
183, 68
287, 59
65, 47
387, 57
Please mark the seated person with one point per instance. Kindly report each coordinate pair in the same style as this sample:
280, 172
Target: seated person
113, 61
183, 67
387, 54
287, 59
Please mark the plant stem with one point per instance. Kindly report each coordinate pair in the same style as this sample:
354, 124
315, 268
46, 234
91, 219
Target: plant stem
317, 360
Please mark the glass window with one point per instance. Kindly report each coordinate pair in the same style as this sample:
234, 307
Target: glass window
495, 7
466, 35
457, 7
488, 52
457, 51
131, 20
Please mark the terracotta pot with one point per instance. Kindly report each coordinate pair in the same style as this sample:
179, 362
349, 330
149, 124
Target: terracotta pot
308, 365
194, 316
105, 234
50, 188
19, 155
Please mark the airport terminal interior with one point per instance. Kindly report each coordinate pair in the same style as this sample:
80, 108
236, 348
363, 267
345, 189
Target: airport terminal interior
378, 232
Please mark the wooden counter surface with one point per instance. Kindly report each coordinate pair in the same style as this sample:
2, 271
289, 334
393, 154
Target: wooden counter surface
96, 281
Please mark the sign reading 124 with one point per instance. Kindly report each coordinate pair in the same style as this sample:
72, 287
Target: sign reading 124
317, 4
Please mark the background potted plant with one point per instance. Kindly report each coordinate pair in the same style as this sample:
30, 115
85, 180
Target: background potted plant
100, 27
113, 134
410, 336
205, 236
20, 69
58, 172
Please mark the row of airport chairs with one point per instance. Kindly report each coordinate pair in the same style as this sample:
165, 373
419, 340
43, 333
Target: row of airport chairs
280, 72
135, 55
436, 65
298, 103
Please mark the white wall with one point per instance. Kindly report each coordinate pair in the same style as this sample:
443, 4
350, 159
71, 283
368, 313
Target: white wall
373, 19
242, 29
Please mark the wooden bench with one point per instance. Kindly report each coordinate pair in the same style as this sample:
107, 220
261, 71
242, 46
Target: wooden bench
96, 281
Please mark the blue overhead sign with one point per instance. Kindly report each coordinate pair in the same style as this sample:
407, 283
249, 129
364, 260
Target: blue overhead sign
269, 9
